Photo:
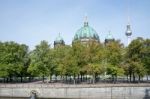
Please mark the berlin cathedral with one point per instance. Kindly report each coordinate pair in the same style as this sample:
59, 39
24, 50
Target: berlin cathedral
87, 33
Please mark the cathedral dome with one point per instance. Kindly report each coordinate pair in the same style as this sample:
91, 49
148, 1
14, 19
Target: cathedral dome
86, 33
59, 40
109, 38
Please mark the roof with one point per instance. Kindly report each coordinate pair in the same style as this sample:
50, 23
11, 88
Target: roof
86, 32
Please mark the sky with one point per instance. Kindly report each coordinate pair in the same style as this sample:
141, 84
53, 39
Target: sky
31, 21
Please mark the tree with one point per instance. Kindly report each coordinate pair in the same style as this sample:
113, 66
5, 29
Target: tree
94, 59
3, 70
72, 65
93, 69
12, 59
146, 55
59, 61
134, 58
114, 71
3, 67
24, 56
40, 62
114, 57
79, 53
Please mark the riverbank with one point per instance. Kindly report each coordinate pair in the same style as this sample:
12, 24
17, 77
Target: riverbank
78, 91
60, 85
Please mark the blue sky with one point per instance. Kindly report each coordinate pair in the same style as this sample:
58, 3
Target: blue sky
30, 21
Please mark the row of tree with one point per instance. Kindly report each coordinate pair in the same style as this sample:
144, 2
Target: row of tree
77, 61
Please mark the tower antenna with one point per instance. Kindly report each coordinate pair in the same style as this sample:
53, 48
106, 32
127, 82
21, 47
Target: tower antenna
128, 32
128, 12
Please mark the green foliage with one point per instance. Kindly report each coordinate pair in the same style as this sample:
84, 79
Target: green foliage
136, 55
90, 58
114, 52
114, 58
146, 55
95, 69
40, 60
114, 70
12, 58
3, 70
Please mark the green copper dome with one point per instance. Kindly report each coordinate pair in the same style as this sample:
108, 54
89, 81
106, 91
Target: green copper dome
59, 40
86, 32
109, 36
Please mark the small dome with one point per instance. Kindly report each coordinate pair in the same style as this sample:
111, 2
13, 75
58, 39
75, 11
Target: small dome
109, 36
59, 40
86, 32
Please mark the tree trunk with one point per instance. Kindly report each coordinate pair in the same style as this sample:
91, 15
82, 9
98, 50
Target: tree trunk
133, 77
63, 79
116, 79
81, 77
147, 77
43, 78
130, 77
127, 78
29, 79
50, 77
70, 79
94, 78
7, 79
66, 78
56, 78
78, 78
4, 79
139, 79
10, 79
112, 79
74, 79
86, 78
21, 79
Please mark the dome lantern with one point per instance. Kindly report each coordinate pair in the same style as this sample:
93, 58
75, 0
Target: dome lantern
85, 21
59, 41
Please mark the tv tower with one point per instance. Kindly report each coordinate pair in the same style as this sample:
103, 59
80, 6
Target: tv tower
128, 32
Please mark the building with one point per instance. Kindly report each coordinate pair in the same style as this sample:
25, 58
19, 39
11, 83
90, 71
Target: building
128, 33
59, 41
86, 33
109, 38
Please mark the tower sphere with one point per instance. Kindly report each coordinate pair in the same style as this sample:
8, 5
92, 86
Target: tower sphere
128, 31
